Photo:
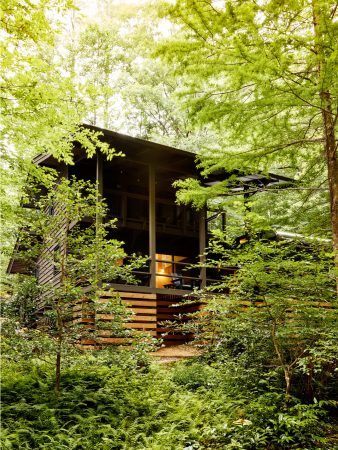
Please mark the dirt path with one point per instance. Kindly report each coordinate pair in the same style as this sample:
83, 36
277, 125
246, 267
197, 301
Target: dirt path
174, 353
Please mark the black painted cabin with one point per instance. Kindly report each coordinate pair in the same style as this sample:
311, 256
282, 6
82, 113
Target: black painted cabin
139, 191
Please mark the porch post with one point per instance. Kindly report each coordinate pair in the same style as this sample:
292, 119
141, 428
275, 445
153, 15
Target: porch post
152, 225
202, 245
99, 173
99, 218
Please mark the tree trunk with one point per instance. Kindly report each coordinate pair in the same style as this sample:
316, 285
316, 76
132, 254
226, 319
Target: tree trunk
286, 368
287, 377
330, 147
332, 170
58, 352
57, 373
309, 383
59, 314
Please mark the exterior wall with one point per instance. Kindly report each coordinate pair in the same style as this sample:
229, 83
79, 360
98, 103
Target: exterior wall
48, 274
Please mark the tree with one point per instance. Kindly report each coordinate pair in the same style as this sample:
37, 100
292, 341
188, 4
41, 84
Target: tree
84, 259
98, 58
264, 73
41, 111
277, 319
123, 86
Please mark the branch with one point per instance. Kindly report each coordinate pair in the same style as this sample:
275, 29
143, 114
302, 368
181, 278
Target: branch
273, 149
221, 92
333, 12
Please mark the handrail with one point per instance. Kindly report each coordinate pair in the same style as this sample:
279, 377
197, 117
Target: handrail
173, 262
197, 266
175, 275
185, 271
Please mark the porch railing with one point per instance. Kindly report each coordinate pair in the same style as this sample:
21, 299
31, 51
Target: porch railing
182, 275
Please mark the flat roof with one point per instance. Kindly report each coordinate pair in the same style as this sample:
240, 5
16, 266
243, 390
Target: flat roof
135, 149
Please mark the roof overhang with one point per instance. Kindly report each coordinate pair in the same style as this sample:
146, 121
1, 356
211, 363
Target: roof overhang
149, 152
134, 149
249, 184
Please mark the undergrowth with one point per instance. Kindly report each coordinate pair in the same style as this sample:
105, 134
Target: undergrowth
118, 401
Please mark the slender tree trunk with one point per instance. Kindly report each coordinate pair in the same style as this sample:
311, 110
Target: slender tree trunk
287, 377
309, 383
99, 217
59, 320
286, 369
58, 373
59, 314
330, 146
59, 351
332, 170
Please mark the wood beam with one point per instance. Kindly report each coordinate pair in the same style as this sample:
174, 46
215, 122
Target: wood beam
99, 172
202, 245
99, 186
99, 192
152, 225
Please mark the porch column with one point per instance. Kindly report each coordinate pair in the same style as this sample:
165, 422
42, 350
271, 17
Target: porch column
99, 218
152, 225
202, 245
99, 173
99, 185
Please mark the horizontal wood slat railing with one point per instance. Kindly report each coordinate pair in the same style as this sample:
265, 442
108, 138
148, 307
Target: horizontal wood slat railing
143, 318
148, 312
152, 314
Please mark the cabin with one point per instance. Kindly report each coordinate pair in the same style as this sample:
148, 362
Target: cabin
138, 189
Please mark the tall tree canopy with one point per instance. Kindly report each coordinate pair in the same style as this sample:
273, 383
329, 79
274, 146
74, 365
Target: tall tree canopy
264, 73
40, 108
123, 85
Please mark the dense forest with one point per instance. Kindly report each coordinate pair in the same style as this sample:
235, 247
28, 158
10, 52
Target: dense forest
248, 87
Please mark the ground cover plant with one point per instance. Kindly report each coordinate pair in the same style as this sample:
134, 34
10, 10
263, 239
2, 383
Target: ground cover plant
120, 400
265, 379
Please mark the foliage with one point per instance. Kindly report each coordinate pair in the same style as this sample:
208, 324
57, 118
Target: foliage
233, 397
41, 110
80, 256
22, 305
123, 85
264, 75
278, 316
255, 65
260, 76
109, 401
38, 97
